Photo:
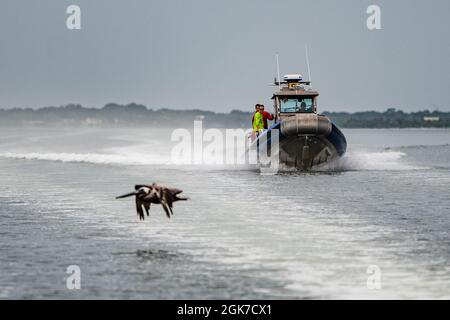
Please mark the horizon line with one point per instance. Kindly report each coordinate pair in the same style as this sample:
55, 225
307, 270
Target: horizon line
250, 110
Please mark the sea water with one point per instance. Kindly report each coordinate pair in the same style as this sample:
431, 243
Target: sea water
385, 206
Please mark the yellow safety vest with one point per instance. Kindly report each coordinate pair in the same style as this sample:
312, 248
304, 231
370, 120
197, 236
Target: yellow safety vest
258, 122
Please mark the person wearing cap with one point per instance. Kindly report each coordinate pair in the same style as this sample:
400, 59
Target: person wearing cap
257, 121
266, 116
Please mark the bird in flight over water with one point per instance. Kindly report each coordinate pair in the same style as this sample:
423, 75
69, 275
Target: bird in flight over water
156, 194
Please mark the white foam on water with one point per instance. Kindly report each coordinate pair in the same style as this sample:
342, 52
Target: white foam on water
126, 159
388, 160
94, 158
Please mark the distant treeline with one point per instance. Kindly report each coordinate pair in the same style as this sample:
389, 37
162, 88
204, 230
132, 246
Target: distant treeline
136, 115
391, 118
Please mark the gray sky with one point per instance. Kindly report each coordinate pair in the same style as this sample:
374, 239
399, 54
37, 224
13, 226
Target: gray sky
220, 55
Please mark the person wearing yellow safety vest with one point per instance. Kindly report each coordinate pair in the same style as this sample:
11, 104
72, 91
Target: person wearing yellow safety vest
258, 122
258, 127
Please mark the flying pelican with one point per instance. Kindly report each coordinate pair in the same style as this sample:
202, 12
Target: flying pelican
157, 194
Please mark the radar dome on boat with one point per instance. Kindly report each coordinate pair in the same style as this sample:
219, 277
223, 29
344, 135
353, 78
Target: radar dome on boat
293, 77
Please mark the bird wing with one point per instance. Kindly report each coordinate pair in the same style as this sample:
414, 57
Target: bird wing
174, 191
166, 209
139, 210
147, 208
167, 200
162, 197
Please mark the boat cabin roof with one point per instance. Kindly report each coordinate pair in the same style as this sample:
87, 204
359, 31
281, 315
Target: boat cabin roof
299, 91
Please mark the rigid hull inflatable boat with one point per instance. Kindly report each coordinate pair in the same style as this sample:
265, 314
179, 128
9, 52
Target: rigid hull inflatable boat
306, 139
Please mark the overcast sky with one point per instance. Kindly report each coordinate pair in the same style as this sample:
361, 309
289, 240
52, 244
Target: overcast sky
220, 55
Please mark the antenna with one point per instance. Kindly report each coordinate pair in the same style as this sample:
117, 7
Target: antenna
278, 71
307, 64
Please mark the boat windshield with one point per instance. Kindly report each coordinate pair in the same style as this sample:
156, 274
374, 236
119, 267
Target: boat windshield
302, 105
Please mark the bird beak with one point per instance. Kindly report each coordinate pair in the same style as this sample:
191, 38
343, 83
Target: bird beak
127, 195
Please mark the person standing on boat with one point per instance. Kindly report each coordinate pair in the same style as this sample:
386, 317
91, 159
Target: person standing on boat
266, 116
258, 121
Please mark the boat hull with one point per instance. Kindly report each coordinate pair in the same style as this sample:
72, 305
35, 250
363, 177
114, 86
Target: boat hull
303, 149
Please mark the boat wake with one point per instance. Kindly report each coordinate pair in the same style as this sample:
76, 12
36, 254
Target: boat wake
93, 158
388, 160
